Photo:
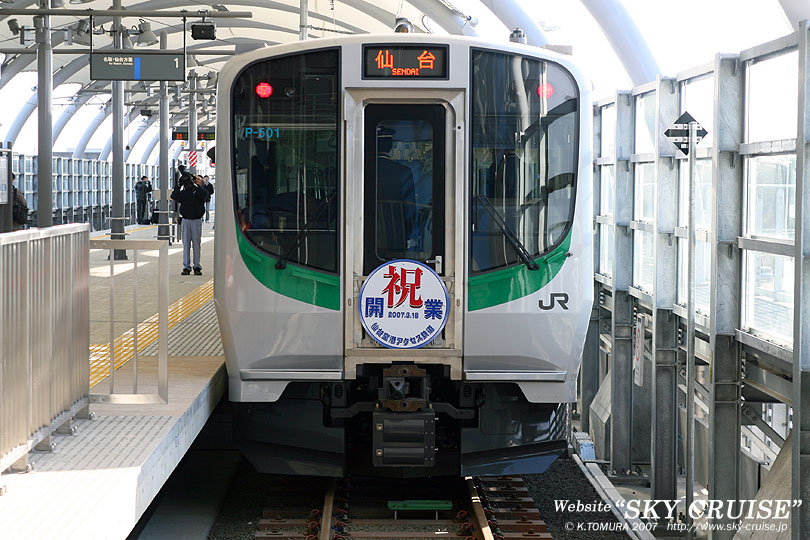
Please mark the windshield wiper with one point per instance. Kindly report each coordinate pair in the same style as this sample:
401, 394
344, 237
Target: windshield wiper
507, 232
281, 264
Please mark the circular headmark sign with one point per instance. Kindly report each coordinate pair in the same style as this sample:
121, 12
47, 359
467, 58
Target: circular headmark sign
403, 304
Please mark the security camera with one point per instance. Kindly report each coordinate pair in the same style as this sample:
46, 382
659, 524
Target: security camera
14, 26
203, 30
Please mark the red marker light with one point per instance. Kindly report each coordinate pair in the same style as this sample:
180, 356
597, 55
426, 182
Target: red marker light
264, 90
545, 90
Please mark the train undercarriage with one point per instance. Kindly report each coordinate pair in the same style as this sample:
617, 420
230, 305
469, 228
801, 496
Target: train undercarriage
401, 420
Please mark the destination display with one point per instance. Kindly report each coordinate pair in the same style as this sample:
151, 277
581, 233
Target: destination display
201, 136
133, 67
405, 61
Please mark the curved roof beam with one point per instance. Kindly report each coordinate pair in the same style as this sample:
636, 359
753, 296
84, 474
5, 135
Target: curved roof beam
22, 61
625, 38
78, 152
795, 11
78, 101
134, 112
135, 137
150, 147
268, 4
67, 71
448, 19
512, 15
60, 77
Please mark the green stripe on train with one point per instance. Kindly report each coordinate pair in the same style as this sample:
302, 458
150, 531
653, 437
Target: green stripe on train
297, 282
502, 286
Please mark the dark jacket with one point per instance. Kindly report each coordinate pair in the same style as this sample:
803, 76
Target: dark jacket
209, 187
192, 201
142, 189
19, 213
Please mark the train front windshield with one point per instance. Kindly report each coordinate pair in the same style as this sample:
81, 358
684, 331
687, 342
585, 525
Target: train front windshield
285, 114
525, 117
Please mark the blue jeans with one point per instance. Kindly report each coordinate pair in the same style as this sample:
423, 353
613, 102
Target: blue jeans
192, 233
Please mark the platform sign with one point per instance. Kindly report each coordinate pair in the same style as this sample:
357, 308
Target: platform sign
397, 61
403, 304
678, 133
135, 67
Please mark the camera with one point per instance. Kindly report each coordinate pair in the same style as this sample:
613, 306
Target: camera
186, 180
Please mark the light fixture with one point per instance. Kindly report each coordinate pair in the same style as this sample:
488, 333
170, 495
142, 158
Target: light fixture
83, 27
213, 79
57, 3
80, 1
14, 26
403, 26
147, 37
191, 62
126, 43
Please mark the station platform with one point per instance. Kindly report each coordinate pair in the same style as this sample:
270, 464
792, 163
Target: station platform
98, 481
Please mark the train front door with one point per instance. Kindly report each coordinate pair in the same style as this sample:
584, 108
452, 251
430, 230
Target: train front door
405, 205
404, 186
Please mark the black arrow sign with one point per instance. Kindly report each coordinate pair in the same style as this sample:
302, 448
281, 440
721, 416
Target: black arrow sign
678, 133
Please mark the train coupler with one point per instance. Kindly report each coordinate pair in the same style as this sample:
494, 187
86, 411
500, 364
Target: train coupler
404, 439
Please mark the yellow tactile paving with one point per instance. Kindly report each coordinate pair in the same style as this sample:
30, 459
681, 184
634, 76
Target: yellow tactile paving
147, 333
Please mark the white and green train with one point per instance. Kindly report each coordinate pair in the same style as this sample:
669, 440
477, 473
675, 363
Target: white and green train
403, 253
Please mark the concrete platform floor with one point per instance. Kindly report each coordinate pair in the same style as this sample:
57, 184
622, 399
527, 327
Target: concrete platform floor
147, 274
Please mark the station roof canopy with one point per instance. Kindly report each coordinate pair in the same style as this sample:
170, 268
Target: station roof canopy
621, 41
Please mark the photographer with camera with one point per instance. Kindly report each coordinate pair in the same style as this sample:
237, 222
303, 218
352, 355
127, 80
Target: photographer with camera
191, 196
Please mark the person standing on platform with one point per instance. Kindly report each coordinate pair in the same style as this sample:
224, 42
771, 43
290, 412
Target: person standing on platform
143, 188
191, 196
19, 212
209, 187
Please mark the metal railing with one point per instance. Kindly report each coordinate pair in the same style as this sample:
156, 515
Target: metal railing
44, 337
125, 348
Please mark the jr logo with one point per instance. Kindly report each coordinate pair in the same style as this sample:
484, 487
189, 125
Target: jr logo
560, 298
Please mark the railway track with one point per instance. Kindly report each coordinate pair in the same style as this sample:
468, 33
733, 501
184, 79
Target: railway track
486, 508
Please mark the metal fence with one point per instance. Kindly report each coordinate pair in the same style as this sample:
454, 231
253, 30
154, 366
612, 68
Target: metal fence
44, 336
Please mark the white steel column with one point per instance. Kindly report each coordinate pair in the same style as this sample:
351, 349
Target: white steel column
621, 369
724, 307
801, 295
303, 24
664, 378
42, 23
117, 211
192, 120
164, 135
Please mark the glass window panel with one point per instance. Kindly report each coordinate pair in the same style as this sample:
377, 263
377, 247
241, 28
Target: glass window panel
285, 157
703, 277
697, 97
608, 130
645, 123
404, 190
768, 295
644, 178
606, 247
703, 194
522, 187
771, 196
643, 260
606, 186
773, 98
